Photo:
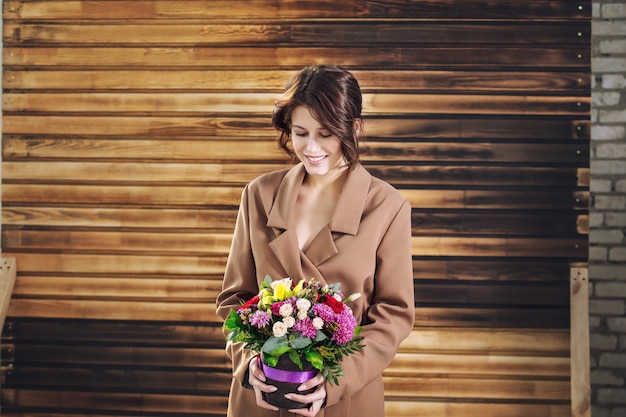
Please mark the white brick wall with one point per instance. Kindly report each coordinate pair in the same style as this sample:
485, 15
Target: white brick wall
607, 239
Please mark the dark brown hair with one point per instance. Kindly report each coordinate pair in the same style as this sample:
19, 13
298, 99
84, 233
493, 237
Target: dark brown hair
333, 96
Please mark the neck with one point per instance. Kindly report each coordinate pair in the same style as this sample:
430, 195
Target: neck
333, 179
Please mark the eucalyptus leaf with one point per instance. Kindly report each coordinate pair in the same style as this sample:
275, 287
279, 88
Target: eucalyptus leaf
274, 343
300, 342
320, 336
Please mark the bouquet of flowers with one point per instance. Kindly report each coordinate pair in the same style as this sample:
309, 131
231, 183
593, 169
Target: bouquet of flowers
307, 320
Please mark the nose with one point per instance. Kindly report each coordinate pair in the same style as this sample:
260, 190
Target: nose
312, 143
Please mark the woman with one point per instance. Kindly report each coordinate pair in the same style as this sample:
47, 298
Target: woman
326, 218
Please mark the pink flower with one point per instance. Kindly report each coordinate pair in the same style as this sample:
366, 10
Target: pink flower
306, 328
324, 312
346, 323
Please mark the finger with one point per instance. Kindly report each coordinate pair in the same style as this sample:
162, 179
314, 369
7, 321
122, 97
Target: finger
311, 411
256, 370
311, 383
318, 395
261, 402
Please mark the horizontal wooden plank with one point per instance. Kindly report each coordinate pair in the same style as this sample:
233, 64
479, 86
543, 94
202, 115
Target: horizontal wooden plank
209, 381
221, 160
426, 340
113, 310
490, 269
180, 289
424, 223
201, 312
242, 173
263, 80
167, 359
423, 407
576, 58
213, 382
510, 294
192, 369
471, 388
174, 289
262, 103
202, 196
229, 9
231, 128
344, 32
214, 244
492, 317
403, 408
399, 408
72, 401
119, 264
464, 364
146, 217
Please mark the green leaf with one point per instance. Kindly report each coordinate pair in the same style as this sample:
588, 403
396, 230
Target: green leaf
295, 358
279, 351
270, 360
315, 359
274, 343
300, 342
357, 331
320, 336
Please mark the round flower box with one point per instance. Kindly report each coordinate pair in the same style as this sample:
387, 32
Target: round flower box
287, 377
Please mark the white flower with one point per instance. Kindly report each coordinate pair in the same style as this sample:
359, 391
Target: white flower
303, 304
289, 322
318, 323
286, 310
286, 281
337, 297
279, 329
353, 297
302, 314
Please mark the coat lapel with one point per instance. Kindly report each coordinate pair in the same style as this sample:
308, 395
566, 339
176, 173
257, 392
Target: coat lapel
285, 244
345, 220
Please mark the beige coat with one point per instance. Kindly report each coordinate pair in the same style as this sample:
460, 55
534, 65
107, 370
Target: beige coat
366, 247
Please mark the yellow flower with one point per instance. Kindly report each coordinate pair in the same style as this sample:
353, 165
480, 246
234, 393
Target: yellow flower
282, 292
298, 287
266, 298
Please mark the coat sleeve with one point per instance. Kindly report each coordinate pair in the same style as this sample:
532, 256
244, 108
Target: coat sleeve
391, 314
239, 284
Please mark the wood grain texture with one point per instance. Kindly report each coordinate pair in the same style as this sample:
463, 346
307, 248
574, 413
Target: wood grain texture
131, 127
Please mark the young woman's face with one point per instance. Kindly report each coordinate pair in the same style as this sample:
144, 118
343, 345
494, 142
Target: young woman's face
315, 146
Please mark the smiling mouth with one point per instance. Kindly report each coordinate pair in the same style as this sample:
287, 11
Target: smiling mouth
316, 159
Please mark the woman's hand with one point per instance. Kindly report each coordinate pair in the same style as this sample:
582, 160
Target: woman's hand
256, 378
316, 398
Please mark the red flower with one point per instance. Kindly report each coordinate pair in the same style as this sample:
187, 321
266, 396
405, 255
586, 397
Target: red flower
337, 306
254, 300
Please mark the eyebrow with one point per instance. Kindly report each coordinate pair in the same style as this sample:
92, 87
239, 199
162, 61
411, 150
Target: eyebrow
304, 128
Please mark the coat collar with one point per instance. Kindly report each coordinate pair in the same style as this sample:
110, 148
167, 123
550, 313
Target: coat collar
349, 209
346, 219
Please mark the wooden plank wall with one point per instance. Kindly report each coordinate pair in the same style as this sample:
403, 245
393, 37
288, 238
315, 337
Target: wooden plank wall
130, 128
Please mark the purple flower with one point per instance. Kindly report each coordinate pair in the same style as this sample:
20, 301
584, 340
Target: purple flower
306, 328
260, 319
346, 323
325, 312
